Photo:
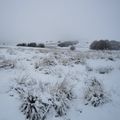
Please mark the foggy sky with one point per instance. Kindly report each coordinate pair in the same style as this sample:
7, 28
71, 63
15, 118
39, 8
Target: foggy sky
41, 20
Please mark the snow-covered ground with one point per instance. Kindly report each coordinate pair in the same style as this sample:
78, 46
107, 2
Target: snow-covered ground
87, 81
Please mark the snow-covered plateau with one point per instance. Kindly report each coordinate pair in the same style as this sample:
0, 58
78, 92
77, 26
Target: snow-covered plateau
59, 84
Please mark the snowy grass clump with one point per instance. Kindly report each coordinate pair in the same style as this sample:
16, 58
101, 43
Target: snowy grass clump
46, 61
64, 58
70, 58
95, 94
61, 96
104, 70
7, 64
37, 99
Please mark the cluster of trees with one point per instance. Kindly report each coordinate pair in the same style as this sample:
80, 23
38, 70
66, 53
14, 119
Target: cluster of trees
95, 45
105, 45
32, 44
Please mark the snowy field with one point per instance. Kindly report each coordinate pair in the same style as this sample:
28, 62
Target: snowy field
59, 84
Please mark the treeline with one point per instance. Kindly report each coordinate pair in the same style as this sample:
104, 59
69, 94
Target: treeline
32, 44
95, 45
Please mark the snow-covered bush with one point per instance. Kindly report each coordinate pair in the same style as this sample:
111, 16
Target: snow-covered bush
61, 96
29, 108
34, 108
95, 94
30, 92
37, 101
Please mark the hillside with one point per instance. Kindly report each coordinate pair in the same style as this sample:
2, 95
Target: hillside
59, 84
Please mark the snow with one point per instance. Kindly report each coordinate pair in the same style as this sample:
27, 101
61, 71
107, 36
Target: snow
42, 69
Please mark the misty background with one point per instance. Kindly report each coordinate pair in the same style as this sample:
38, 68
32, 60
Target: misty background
46, 20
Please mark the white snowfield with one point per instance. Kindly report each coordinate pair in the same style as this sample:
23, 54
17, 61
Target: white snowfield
90, 79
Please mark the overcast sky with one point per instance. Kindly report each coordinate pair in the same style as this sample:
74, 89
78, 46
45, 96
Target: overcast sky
41, 20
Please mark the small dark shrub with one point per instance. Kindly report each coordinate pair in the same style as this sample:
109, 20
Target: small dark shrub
33, 44
41, 45
22, 44
101, 45
110, 58
72, 48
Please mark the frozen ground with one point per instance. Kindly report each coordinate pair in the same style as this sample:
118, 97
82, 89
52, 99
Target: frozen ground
92, 78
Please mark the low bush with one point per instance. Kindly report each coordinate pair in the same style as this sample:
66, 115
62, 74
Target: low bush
105, 45
101, 45
41, 45
67, 43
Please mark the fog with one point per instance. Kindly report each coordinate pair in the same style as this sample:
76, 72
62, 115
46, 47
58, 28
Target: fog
44, 20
